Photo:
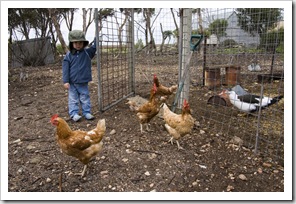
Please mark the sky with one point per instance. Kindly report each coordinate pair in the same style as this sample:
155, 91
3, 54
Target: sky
165, 18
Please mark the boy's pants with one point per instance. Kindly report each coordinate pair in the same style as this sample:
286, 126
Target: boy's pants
79, 93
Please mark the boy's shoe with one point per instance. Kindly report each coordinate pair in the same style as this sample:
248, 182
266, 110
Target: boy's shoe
89, 116
76, 117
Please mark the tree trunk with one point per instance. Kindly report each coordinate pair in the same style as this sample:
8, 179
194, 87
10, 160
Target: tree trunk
146, 30
200, 20
58, 29
163, 39
90, 19
176, 25
84, 20
68, 17
120, 27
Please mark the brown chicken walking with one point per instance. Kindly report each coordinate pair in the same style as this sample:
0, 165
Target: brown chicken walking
178, 125
80, 144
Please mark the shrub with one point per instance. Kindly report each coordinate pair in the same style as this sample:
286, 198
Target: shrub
229, 43
280, 48
272, 39
139, 45
60, 50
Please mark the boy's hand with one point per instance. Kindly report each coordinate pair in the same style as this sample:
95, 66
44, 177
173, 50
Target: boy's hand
67, 85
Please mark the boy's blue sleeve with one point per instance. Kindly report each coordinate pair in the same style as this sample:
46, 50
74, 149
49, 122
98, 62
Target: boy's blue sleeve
92, 50
66, 69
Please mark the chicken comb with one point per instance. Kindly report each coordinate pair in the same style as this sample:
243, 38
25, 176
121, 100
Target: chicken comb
54, 117
185, 103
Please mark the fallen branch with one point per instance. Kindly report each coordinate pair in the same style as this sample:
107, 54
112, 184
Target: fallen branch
40, 118
37, 179
45, 150
172, 179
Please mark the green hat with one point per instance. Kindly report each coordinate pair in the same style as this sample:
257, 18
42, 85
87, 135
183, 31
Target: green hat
77, 36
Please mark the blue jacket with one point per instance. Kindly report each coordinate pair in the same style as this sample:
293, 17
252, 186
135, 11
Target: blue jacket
77, 65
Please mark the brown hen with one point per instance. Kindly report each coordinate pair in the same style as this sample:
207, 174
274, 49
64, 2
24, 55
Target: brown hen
163, 90
178, 125
148, 110
80, 144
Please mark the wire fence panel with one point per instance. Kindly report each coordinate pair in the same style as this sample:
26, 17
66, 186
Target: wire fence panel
241, 49
153, 49
115, 56
245, 47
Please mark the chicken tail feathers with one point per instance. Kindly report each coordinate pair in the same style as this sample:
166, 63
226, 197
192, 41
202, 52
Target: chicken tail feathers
132, 105
172, 131
275, 100
173, 88
101, 126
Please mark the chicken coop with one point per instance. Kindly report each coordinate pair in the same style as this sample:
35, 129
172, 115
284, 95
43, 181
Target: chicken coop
234, 46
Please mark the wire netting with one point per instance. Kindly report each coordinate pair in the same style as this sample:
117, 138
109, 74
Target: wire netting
245, 48
239, 47
115, 57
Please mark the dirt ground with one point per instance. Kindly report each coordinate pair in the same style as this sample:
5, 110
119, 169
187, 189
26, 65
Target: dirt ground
130, 161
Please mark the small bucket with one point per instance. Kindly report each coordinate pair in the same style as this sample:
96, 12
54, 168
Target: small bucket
212, 77
232, 76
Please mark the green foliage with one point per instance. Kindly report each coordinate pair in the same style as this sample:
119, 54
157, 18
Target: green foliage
59, 49
235, 50
139, 45
37, 18
272, 40
148, 12
280, 48
176, 33
167, 34
228, 43
114, 50
103, 13
194, 32
258, 20
205, 32
218, 27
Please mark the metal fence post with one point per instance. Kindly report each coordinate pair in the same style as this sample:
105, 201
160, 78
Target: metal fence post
98, 61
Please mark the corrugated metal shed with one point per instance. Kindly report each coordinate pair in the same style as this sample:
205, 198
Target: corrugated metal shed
32, 52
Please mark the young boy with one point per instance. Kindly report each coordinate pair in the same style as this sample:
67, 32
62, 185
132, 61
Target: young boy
77, 74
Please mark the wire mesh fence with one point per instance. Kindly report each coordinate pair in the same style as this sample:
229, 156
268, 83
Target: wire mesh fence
239, 47
245, 48
115, 57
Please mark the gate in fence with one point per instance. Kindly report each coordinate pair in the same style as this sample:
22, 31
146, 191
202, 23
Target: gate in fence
115, 58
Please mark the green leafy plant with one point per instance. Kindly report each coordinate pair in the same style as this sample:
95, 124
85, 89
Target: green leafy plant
229, 43
139, 45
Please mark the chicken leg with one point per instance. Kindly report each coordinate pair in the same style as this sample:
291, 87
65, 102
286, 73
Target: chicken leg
179, 147
141, 127
175, 134
147, 128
